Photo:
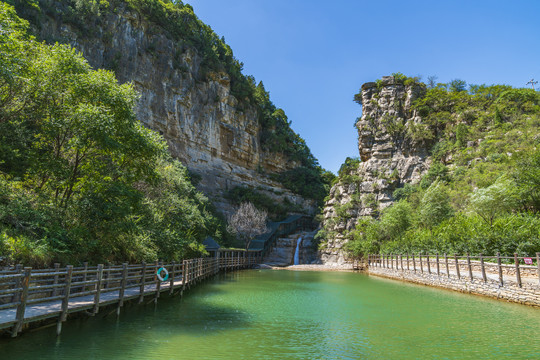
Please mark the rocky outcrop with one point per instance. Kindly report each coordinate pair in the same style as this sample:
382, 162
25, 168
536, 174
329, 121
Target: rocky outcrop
389, 157
206, 127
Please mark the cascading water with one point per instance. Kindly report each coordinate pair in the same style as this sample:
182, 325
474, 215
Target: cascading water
297, 252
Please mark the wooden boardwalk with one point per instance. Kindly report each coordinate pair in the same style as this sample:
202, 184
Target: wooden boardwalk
27, 295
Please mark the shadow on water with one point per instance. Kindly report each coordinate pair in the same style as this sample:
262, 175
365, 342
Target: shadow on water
140, 327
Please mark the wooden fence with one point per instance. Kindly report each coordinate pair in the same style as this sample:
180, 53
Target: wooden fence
463, 266
28, 295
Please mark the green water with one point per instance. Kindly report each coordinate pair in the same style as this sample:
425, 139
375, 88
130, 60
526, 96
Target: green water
297, 315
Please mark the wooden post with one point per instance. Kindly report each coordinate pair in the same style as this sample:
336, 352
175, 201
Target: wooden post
18, 284
401, 260
21, 308
65, 300
143, 281
538, 265
184, 274
457, 266
469, 266
67, 291
518, 275
499, 266
158, 283
392, 261
55, 282
413, 263
99, 280
84, 275
438, 267
122, 286
428, 264
171, 277
421, 266
446, 262
408, 267
484, 277
107, 276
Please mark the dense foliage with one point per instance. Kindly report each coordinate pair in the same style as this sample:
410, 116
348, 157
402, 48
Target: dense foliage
80, 178
481, 194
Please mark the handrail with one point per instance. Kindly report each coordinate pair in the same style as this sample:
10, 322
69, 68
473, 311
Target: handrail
469, 263
29, 287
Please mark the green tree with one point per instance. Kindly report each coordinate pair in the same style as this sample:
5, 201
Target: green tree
435, 205
80, 177
457, 85
494, 200
527, 177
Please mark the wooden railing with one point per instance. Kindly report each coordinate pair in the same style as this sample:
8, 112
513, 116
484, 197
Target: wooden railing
29, 295
466, 266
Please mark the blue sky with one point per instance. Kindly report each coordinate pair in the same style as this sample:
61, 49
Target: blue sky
313, 55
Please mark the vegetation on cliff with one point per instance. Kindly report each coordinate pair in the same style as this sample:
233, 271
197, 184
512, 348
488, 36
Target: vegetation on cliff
80, 178
178, 21
481, 193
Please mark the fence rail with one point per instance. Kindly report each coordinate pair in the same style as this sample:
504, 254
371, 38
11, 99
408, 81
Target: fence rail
28, 295
495, 268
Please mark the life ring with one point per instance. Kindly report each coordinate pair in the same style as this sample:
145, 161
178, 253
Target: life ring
159, 274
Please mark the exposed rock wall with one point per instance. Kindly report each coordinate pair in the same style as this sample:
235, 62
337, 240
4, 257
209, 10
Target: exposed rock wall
204, 124
389, 157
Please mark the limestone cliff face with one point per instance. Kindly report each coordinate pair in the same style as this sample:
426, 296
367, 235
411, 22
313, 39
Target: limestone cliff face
205, 126
389, 159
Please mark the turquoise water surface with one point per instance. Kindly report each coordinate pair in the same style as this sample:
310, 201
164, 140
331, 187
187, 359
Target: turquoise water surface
278, 314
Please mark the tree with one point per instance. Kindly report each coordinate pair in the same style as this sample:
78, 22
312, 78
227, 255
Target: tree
458, 85
494, 200
435, 205
395, 220
432, 81
81, 179
527, 177
248, 222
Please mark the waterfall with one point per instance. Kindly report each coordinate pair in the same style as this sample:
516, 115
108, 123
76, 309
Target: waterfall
297, 252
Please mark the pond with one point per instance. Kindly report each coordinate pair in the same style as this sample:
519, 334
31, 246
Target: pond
280, 314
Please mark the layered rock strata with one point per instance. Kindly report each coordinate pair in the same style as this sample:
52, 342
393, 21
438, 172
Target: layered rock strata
389, 159
205, 126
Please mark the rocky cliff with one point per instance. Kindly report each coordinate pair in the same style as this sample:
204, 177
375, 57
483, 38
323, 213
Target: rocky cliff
213, 133
389, 157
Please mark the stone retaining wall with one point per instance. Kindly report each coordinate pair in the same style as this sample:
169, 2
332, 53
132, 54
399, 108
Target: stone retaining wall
528, 294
